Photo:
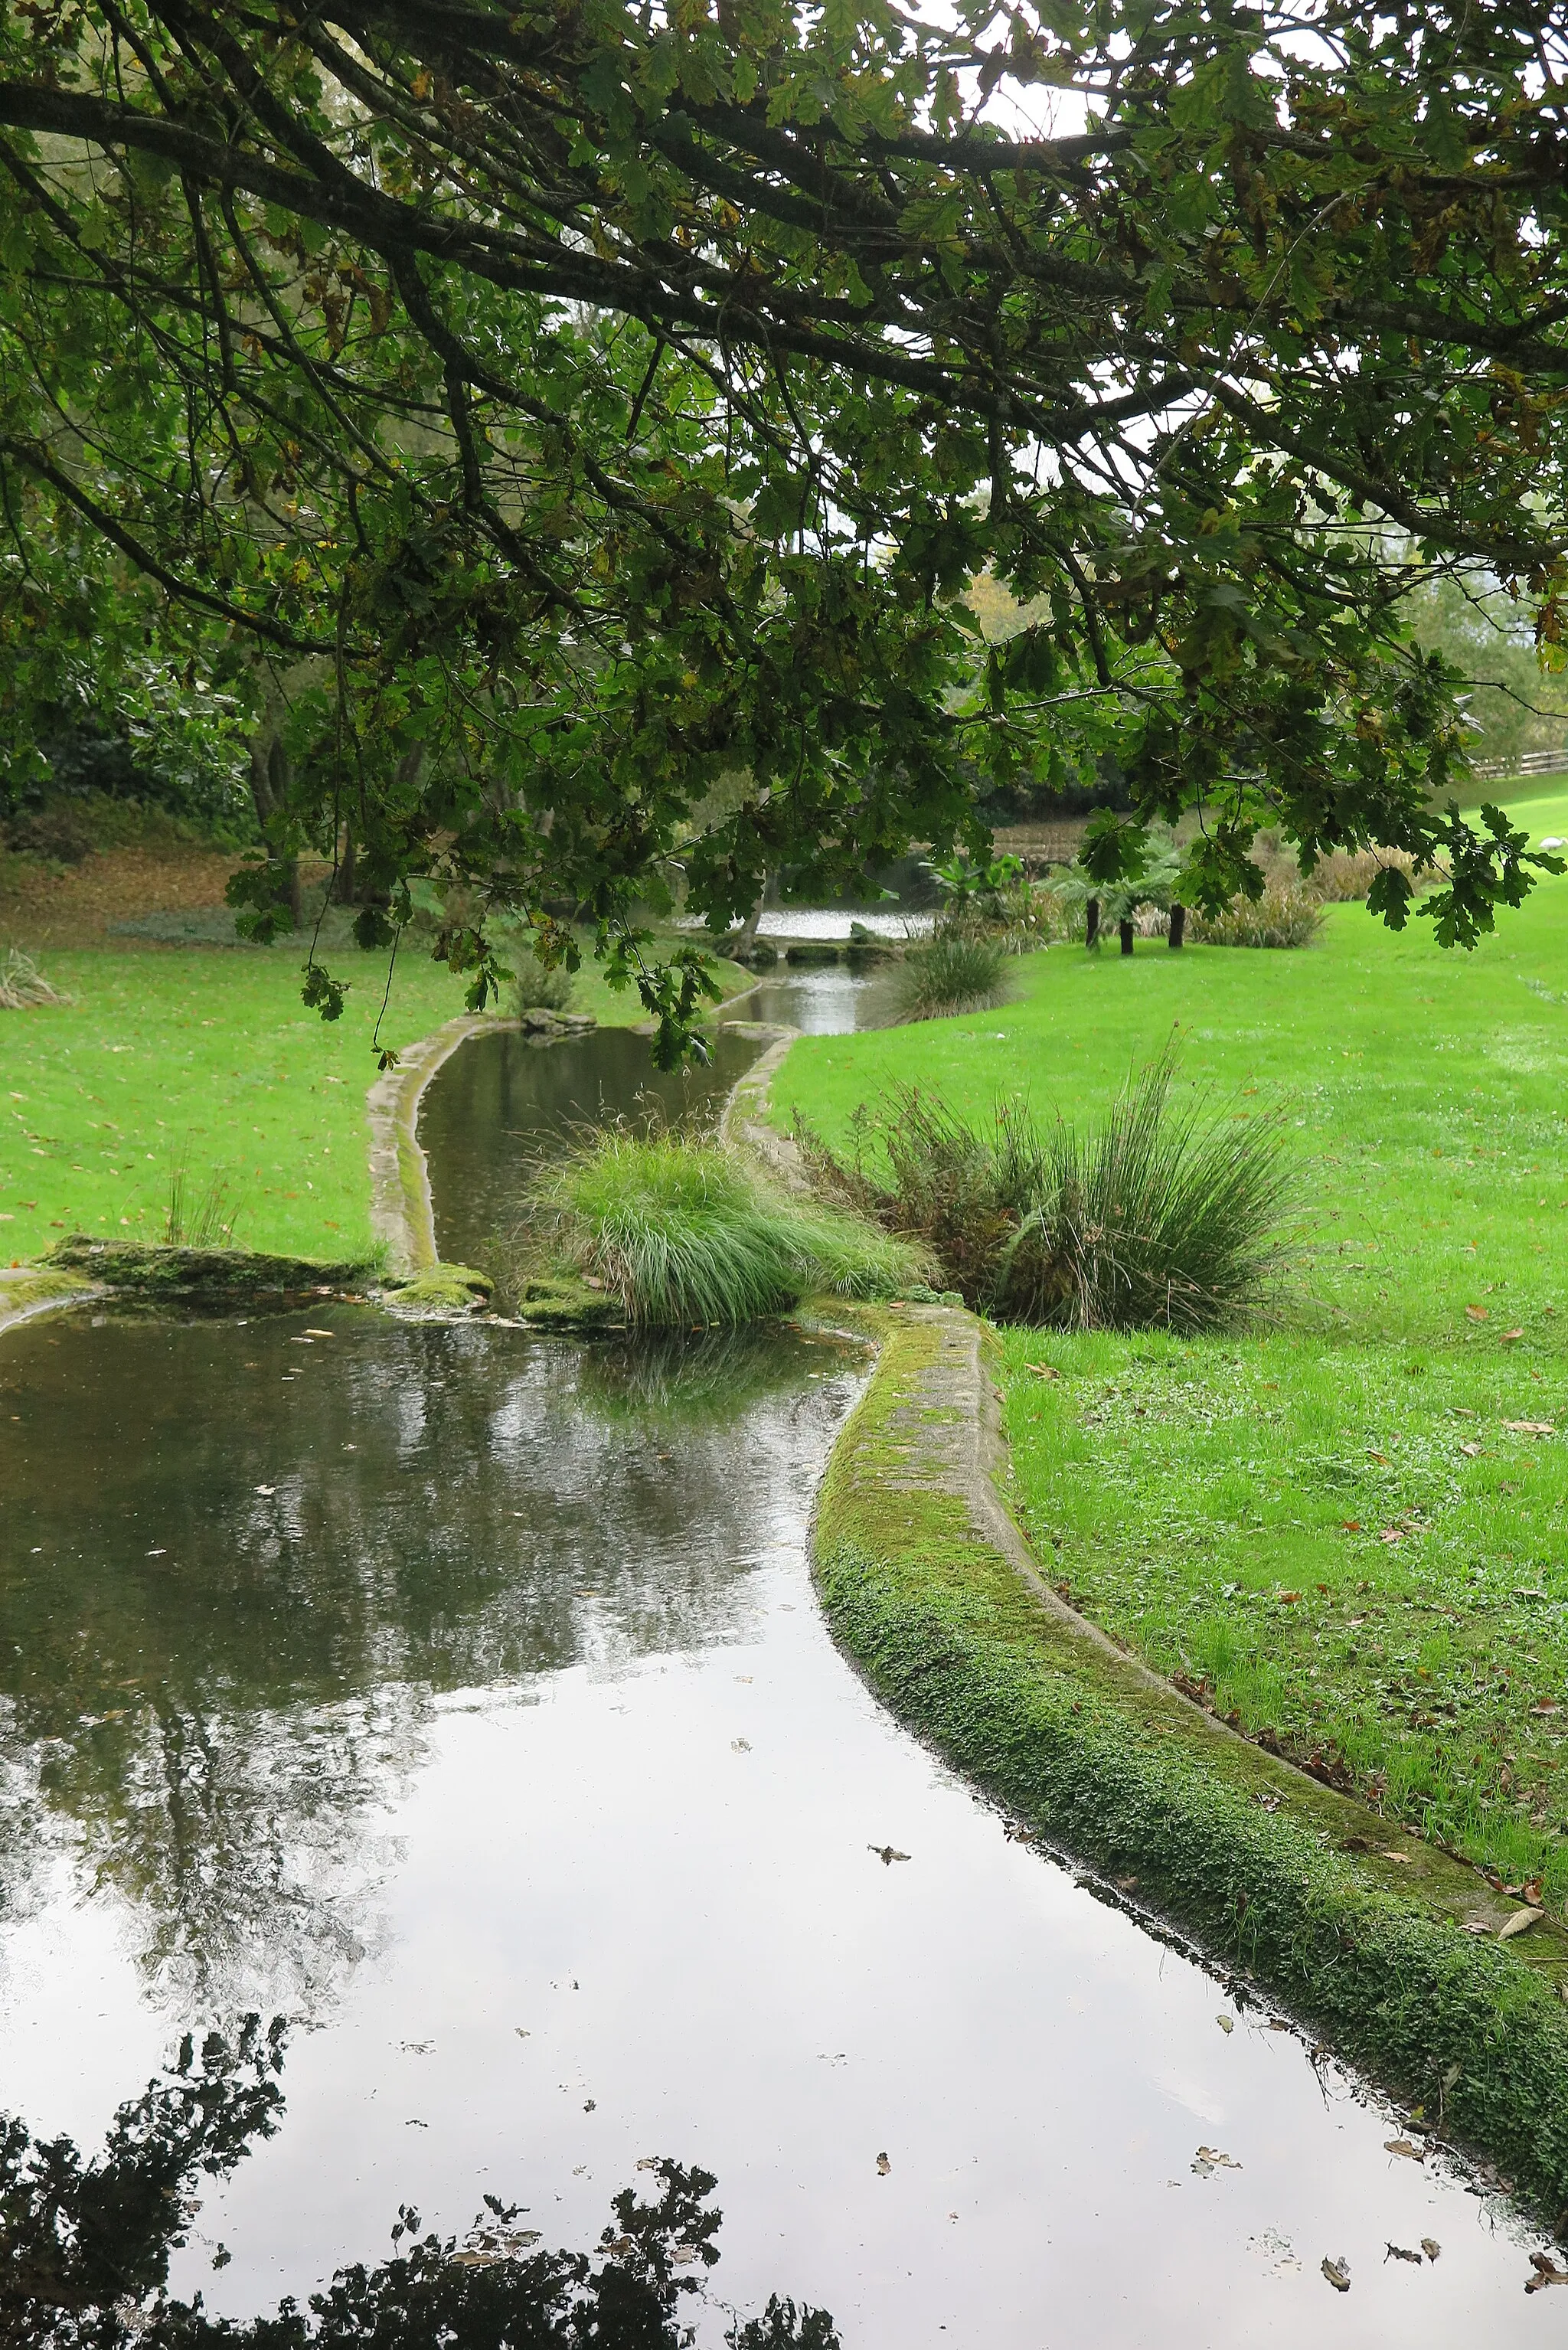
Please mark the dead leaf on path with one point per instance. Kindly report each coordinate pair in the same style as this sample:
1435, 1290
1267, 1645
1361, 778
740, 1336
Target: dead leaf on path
1398, 2252
1338, 2273
1431, 2247
1209, 2159
1477, 1312
883, 2165
1226, 2023
886, 1853
1520, 1923
1546, 2273
1402, 2145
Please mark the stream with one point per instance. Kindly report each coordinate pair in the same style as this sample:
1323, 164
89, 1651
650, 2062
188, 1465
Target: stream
461, 1694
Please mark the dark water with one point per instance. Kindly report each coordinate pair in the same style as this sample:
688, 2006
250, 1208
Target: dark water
487, 1115
462, 1695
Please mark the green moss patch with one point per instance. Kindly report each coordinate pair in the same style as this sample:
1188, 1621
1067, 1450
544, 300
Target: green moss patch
212, 1275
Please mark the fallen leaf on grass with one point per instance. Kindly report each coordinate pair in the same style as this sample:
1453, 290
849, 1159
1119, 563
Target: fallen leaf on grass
1392, 1534
1547, 1705
1402, 2145
1546, 2273
1398, 2252
1477, 1312
1044, 1371
1431, 2247
1470, 1452
1209, 2159
883, 2165
1338, 2273
1510, 1338
1520, 1923
886, 1853
1351, 1525
1531, 1427
1396, 1855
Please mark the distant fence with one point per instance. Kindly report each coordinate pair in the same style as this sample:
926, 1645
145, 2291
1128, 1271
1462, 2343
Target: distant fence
1533, 762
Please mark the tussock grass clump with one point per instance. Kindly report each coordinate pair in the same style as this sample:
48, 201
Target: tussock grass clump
1288, 914
681, 1231
1348, 874
956, 971
534, 987
23, 984
1162, 1218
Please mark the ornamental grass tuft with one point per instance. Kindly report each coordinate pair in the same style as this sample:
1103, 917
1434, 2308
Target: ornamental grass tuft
679, 1231
955, 971
1162, 1218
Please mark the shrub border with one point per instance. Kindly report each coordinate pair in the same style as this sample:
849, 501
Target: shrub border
929, 1586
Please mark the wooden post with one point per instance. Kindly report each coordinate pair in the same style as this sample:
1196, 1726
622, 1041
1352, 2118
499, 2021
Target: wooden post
1126, 928
1092, 923
1178, 925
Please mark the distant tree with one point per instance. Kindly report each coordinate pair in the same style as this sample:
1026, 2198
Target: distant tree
539, 413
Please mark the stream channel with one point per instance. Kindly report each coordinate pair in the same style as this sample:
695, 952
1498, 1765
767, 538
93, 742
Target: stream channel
461, 1694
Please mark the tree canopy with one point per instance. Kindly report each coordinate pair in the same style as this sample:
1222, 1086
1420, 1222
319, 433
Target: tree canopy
569, 432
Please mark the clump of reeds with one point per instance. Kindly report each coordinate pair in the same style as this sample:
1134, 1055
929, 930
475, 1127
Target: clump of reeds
1348, 874
681, 1231
1161, 1217
1288, 914
955, 971
23, 984
536, 987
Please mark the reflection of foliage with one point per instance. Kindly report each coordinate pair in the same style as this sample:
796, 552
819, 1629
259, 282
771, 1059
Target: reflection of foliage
713, 1377
80, 2244
85, 2248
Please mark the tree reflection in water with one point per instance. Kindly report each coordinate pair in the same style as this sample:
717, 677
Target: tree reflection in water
245, 1572
85, 2246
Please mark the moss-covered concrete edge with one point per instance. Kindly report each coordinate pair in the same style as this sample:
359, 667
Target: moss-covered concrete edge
1385, 1947
402, 1213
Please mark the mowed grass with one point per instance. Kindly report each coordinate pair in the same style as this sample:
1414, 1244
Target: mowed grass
206, 1060
1326, 1527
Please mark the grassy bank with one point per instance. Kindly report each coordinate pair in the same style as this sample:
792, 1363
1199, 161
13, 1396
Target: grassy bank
1325, 1528
207, 1061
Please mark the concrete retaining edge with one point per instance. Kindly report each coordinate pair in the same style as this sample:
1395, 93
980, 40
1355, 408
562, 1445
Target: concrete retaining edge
402, 1213
1378, 1941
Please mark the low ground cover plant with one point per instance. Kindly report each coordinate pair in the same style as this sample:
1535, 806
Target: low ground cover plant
1288, 914
1158, 1215
1346, 1530
954, 973
681, 1231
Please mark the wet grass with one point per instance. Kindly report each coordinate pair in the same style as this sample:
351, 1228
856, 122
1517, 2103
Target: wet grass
1326, 1527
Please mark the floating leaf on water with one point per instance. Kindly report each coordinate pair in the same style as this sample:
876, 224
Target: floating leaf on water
1398, 2252
1431, 2247
886, 1853
1546, 2273
740, 1745
883, 2165
266, 1491
1402, 2145
1209, 2159
1338, 2273
1226, 2023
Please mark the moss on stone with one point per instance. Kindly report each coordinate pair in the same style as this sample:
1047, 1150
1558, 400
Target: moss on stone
221, 1275
557, 1301
1275, 1874
441, 1289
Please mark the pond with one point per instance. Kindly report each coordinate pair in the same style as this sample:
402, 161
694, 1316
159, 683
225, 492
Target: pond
461, 1694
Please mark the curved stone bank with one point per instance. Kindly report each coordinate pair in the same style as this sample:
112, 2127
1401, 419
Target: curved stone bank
1383, 1943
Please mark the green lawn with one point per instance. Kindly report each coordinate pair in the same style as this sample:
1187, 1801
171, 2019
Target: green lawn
207, 1060
1326, 1525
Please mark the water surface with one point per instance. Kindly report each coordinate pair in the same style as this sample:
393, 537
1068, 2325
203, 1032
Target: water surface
462, 1694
